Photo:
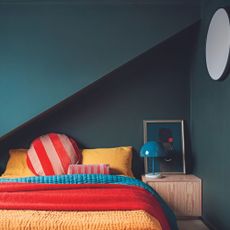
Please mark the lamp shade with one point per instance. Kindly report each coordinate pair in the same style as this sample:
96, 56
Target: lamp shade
152, 149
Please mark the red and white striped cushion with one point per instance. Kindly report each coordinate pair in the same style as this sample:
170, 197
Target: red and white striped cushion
52, 154
88, 169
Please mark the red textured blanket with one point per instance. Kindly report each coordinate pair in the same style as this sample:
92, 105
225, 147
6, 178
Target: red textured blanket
81, 197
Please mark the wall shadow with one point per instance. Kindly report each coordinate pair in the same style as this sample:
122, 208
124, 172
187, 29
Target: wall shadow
110, 112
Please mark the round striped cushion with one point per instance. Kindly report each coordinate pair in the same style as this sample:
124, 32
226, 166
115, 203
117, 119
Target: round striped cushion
52, 154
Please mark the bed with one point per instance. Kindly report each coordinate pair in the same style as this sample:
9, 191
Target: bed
80, 201
83, 201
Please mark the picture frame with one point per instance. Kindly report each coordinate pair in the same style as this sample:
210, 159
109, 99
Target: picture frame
171, 134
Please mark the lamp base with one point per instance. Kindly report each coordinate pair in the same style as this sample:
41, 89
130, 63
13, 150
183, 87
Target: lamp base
153, 175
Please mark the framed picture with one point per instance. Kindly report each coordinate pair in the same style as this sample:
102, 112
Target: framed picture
171, 135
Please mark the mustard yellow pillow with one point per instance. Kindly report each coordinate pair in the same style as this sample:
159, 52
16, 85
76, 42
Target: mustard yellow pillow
119, 159
16, 165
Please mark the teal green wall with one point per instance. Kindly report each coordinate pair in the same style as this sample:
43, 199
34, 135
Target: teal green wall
210, 125
155, 85
49, 51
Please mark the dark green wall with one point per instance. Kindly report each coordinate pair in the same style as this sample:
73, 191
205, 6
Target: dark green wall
51, 49
155, 85
210, 125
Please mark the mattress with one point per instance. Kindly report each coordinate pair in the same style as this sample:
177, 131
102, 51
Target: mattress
82, 202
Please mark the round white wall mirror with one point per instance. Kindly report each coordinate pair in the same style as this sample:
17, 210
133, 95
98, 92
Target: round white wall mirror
218, 45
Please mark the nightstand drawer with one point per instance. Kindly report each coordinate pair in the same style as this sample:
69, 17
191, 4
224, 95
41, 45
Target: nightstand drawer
181, 192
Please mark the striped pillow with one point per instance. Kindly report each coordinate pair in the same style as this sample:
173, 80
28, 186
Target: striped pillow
52, 154
88, 169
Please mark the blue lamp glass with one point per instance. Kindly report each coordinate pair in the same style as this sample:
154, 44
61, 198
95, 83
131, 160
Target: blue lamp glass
153, 150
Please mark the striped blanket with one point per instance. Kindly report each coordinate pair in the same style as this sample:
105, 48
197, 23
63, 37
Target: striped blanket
91, 193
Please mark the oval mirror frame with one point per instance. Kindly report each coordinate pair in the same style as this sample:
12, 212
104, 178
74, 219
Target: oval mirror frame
218, 45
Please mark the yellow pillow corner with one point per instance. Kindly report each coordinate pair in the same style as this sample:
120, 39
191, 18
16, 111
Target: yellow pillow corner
119, 159
17, 165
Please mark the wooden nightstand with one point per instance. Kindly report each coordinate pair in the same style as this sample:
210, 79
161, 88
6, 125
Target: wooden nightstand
181, 192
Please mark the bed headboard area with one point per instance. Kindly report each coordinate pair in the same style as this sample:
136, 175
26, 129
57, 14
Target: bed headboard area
111, 111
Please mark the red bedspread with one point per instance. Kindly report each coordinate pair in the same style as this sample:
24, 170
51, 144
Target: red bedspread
81, 197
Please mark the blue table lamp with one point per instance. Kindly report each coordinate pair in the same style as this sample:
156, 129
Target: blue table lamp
152, 150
